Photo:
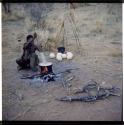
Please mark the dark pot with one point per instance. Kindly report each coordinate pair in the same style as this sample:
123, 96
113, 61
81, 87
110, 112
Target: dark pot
61, 49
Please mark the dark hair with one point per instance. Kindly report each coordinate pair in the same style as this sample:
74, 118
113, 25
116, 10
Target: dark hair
29, 36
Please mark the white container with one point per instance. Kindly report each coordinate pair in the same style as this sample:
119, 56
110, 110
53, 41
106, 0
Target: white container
64, 56
52, 55
59, 56
69, 55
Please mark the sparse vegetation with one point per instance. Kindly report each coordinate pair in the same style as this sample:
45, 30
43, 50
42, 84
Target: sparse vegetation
101, 52
115, 43
98, 27
115, 53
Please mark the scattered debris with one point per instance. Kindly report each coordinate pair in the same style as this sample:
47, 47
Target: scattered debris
70, 78
19, 95
21, 114
89, 86
48, 77
101, 93
68, 70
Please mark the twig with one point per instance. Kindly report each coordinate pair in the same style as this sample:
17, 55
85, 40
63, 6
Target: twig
21, 114
67, 70
69, 79
75, 31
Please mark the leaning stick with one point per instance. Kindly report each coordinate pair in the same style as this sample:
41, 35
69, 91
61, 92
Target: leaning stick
75, 35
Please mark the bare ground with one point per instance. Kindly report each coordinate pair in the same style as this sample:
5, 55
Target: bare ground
101, 61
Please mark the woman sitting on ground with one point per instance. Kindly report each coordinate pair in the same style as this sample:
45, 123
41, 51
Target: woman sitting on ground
29, 59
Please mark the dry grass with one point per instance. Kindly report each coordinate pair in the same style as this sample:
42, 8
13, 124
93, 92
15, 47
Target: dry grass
11, 17
114, 53
4, 44
115, 42
96, 48
97, 28
50, 44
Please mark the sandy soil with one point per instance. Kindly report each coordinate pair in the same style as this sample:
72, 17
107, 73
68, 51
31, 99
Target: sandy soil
101, 61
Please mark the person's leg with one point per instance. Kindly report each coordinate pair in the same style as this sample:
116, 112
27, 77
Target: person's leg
33, 62
19, 62
22, 64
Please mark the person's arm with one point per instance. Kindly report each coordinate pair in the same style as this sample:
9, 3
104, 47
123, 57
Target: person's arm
26, 45
37, 48
35, 38
25, 52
